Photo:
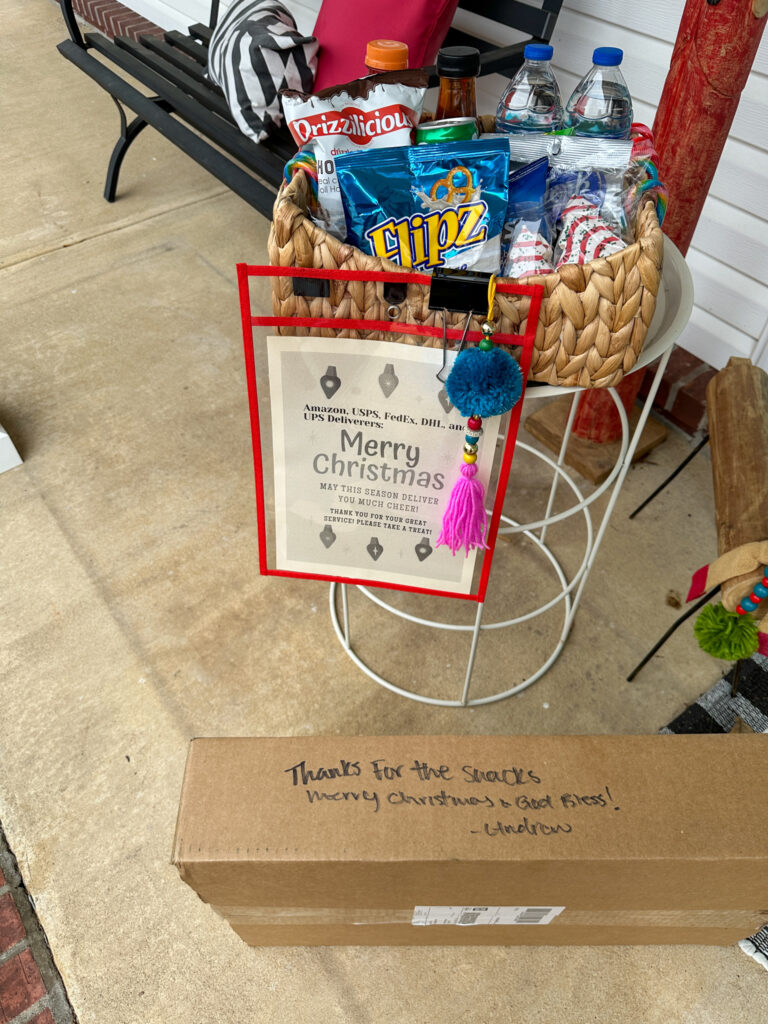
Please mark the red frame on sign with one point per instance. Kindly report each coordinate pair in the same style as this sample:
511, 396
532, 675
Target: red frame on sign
249, 321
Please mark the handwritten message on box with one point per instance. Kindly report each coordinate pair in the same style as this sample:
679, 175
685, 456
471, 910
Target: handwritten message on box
517, 797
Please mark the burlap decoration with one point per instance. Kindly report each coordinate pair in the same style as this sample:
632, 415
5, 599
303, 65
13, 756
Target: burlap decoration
593, 319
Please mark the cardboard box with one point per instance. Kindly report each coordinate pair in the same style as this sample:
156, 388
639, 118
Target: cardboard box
463, 840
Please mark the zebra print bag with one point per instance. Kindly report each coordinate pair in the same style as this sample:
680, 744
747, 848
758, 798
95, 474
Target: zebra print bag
255, 51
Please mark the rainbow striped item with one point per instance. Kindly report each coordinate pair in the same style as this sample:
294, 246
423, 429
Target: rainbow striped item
644, 171
305, 161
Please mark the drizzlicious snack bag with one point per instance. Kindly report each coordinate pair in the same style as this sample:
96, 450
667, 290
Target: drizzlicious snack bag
369, 113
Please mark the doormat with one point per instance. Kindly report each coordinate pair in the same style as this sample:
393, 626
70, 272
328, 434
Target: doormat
740, 694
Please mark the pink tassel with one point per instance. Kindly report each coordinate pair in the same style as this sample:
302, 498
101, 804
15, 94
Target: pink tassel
464, 520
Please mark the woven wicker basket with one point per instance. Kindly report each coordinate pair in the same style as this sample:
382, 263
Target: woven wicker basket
592, 323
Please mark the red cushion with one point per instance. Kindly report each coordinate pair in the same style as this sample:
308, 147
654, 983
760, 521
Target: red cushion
345, 26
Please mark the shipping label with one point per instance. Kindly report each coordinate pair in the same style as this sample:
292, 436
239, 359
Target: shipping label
466, 916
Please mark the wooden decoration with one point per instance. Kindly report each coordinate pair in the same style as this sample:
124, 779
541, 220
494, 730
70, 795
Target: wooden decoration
737, 405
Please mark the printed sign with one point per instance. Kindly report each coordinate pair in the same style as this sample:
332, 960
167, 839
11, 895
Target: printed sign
366, 447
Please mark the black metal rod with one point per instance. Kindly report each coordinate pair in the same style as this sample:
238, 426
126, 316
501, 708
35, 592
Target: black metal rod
71, 22
128, 133
689, 457
239, 181
657, 646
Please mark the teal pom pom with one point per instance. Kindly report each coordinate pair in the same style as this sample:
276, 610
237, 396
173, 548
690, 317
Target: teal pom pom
484, 383
725, 634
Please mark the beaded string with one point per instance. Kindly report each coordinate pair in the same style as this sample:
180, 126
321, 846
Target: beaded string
484, 381
475, 423
760, 592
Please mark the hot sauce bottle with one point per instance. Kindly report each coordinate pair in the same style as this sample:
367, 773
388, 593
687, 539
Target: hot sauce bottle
457, 68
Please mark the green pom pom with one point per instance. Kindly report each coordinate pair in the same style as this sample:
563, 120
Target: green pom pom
725, 634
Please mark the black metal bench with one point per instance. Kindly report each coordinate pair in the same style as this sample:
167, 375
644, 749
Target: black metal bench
192, 112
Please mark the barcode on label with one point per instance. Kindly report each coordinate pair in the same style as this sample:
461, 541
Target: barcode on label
468, 916
533, 915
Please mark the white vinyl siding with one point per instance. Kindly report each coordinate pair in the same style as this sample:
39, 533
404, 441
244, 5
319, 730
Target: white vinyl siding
729, 253
180, 14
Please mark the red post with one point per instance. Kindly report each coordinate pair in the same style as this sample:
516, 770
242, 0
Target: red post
714, 52
715, 48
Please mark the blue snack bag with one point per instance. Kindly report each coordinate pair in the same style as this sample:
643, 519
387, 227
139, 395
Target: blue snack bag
435, 205
527, 236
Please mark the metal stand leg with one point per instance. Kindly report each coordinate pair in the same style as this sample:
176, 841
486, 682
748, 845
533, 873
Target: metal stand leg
625, 467
128, 133
345, 611
561, 459
472, 653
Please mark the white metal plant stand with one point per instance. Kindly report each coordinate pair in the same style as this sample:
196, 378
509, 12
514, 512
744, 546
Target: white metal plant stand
673, 309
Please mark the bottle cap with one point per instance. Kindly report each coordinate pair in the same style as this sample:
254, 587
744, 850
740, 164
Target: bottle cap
608, 56
386, 55
458, 62
538, 51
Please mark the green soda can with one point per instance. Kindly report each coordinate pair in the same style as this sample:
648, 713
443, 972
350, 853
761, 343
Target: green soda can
454, 129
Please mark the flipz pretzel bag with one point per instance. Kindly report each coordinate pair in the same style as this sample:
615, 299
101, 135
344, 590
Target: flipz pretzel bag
434, 205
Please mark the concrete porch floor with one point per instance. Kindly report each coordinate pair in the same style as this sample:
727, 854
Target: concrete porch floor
134, 616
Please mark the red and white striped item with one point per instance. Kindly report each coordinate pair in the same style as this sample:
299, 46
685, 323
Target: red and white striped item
529, 252
585, 235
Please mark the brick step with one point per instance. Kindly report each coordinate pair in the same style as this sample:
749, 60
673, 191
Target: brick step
31, 989
114, 19
681, 397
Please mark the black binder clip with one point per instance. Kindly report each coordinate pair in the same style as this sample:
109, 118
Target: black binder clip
460, 291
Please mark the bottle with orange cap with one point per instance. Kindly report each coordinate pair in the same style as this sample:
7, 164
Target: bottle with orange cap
386, 55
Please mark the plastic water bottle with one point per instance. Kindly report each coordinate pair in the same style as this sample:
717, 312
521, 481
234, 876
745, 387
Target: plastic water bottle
531, 102
601, 103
